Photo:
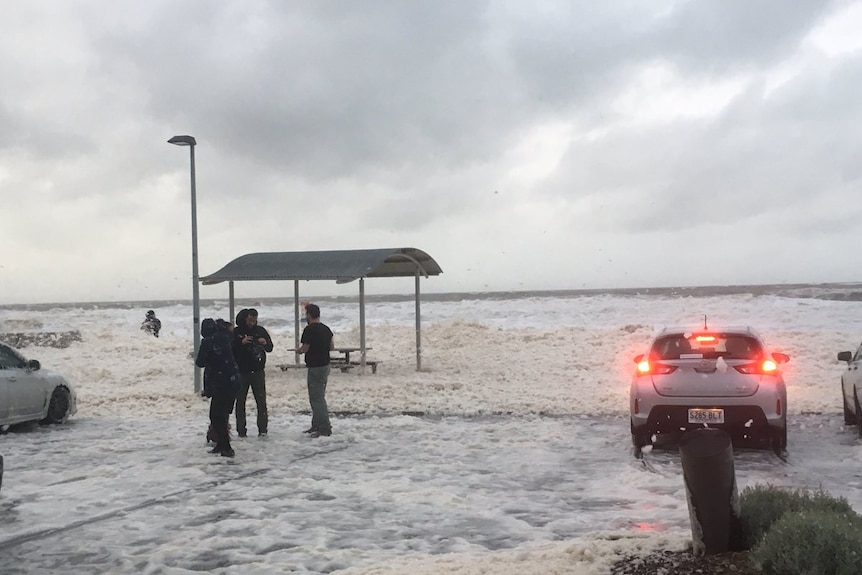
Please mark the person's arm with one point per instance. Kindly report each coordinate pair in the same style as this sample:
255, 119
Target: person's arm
303, 347
236, 343
267, 341
203, 354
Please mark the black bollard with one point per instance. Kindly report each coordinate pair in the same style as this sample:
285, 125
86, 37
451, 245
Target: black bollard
710, 487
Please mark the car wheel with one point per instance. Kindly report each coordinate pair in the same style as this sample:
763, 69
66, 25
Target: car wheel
640, 437
779, 440
849, 416
58, 409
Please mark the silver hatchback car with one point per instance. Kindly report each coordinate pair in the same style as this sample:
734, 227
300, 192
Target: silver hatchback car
709, 378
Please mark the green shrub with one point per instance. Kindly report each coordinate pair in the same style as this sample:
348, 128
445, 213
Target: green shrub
762, 505
811, 542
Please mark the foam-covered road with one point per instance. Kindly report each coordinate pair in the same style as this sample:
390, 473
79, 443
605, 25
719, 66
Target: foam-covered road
143, 495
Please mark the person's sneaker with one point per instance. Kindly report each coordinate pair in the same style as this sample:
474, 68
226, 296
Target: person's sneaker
320, 433
228, 453
310, 430
261, 434
215, 450
242, 434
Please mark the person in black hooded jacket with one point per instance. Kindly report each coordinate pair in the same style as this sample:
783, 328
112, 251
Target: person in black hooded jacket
251, 343
221, 379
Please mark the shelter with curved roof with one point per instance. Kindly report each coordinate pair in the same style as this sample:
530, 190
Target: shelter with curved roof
342, 266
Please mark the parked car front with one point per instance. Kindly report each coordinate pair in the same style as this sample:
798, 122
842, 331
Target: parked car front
30, 393
717, 378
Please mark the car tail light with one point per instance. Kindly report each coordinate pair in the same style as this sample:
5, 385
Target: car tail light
765, 367
705, 339
646, 367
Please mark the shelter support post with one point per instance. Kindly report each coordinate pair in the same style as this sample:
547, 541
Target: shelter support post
231, 305
296, 321
418, 326
362, 324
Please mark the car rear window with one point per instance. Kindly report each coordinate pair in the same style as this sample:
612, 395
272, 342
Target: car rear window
708, 346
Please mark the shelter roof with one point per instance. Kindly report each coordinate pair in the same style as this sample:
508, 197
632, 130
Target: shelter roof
343, 266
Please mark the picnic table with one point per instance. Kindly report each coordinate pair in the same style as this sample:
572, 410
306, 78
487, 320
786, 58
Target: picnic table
345, 354
343, 361
339, 357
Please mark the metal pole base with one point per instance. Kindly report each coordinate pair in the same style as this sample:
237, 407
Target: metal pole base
710, 486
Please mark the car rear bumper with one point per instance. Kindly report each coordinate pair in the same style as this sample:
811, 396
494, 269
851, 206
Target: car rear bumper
737, 418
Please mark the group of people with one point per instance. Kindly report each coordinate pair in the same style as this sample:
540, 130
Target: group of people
234, 358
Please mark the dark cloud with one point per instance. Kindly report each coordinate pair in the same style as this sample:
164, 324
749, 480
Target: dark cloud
328, 92
386, 121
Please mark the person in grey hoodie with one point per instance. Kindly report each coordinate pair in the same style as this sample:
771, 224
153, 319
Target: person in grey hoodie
221, 379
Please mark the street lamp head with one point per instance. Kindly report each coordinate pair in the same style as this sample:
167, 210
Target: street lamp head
182, 141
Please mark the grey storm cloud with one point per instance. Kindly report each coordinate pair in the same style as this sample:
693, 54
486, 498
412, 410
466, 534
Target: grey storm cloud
759, 156
329, 91
423, 123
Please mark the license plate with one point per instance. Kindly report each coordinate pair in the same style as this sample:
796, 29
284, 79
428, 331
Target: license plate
706, 416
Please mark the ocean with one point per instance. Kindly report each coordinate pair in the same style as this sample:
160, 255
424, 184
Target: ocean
557, 352
825, 291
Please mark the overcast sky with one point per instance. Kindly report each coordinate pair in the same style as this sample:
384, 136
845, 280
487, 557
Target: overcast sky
523, 145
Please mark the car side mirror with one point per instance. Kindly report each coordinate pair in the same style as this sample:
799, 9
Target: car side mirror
780, 357
639, 358
845, 356
34, 365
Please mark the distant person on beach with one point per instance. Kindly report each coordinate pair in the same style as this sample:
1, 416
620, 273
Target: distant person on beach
316, 344
151, 323
251, 343
221, 379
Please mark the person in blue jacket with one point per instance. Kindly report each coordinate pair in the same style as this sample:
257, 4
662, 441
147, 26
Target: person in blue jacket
221, 378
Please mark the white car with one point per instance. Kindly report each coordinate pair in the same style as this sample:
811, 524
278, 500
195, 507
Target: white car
851, 388
30, 393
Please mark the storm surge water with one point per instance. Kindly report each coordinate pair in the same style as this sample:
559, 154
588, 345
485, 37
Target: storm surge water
542, 352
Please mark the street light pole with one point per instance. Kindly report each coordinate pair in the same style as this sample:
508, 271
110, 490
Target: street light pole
196, 300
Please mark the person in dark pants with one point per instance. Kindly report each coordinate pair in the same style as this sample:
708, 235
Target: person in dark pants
221, 379
251, 343
316, 344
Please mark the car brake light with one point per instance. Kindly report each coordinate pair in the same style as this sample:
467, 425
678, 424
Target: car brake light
766, 367
705, 338
647, 368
